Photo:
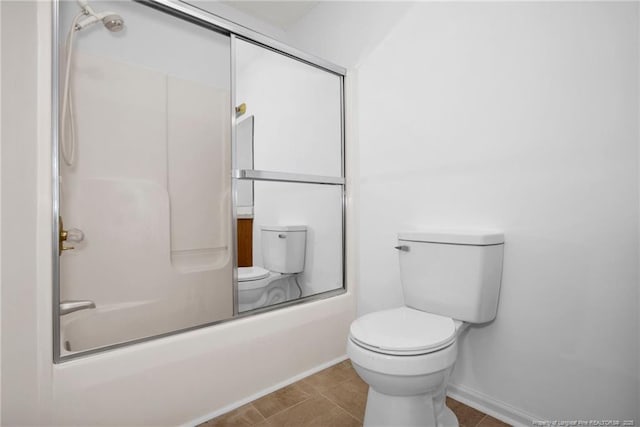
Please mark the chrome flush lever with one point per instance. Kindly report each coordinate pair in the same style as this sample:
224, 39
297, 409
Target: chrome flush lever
403, 248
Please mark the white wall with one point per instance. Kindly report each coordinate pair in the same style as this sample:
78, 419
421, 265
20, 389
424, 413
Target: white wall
346, 32
521, 117
20, 360
165, 382
233, 14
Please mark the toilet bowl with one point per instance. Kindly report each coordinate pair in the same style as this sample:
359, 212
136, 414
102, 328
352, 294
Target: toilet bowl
258, 287
406, 354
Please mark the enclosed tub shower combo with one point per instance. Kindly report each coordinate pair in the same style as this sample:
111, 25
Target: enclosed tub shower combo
198, 174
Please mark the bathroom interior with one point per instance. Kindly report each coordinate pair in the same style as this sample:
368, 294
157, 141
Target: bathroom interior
319, 213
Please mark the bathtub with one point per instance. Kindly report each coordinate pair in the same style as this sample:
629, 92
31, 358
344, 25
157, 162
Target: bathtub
111, 324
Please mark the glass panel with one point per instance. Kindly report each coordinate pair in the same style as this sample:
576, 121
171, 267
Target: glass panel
244, 160
296, 244
296, 109
145, 188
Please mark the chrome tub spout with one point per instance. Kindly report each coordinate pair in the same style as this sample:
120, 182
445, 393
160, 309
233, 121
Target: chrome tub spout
67, 307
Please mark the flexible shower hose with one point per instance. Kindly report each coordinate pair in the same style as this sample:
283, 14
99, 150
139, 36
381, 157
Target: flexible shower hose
67, 132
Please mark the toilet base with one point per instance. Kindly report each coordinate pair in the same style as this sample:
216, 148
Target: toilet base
274, 289
412, 411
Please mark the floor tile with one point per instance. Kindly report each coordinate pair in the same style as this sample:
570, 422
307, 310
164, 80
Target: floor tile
307, 387
451, 402
329, 377
317, 411
350, 395
335, 396
489, 421
467, 416
347, 369
244, 416
280, 400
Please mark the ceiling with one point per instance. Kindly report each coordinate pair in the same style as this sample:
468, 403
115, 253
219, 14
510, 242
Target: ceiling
281, 14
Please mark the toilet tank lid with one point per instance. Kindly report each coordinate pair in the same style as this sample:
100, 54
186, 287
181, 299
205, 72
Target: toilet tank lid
458, 237
284, 227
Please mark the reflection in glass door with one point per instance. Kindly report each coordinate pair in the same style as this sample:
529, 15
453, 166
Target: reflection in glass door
290, 182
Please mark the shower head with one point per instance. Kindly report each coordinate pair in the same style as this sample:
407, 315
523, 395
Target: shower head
111, 20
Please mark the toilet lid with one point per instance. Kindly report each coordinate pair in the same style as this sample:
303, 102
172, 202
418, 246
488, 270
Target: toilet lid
403, 331
246, 274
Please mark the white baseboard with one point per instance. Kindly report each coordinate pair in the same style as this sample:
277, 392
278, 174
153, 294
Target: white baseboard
490, 406
262, 393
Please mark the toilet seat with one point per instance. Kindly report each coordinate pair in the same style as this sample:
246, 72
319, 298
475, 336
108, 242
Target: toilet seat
403, 331
248, 274
389, 364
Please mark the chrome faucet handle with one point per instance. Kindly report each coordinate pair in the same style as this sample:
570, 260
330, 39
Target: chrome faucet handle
72, 235
75, 235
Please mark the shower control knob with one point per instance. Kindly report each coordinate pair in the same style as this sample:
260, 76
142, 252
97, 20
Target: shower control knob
75, 235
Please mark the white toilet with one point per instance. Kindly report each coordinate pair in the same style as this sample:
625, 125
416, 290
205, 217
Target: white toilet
406, 354
283, 253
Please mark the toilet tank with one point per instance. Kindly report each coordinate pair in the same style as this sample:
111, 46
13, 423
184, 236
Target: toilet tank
284, 247
454, 274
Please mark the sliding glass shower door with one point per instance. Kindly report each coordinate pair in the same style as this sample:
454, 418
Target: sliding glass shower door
145, 203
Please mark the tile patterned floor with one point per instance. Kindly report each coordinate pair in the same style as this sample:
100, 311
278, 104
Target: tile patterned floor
335, 397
